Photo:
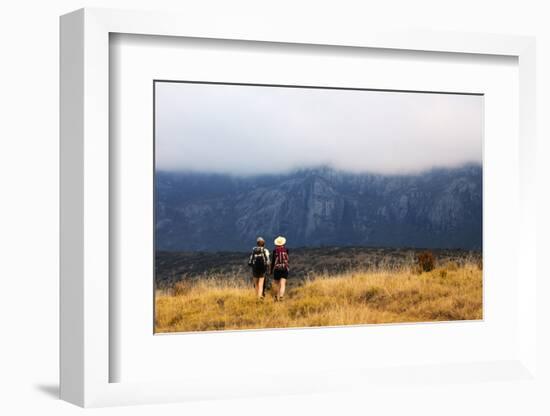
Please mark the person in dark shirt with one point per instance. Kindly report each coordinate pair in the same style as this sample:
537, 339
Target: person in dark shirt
259, 263
280, 268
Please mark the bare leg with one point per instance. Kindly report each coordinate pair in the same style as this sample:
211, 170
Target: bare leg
259, 281
282, 287
275, 288
264, 286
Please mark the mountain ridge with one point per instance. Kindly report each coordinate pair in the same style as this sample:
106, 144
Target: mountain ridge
321, 206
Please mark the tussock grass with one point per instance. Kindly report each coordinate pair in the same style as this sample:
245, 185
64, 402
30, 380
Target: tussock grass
449, 292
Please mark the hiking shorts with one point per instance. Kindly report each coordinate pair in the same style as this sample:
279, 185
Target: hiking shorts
280, 274
260, 272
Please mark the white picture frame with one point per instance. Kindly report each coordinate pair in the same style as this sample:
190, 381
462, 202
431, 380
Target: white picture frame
85, 355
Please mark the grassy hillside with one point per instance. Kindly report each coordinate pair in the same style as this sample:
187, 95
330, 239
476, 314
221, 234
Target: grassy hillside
449, 292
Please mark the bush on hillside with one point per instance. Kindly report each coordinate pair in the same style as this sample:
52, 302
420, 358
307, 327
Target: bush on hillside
426, 261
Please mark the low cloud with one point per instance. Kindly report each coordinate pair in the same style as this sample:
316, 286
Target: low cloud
246, 130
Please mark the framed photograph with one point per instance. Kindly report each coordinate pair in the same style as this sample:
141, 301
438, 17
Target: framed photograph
261, 212
370, 202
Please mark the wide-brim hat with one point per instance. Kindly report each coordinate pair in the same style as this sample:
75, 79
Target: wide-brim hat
280, 241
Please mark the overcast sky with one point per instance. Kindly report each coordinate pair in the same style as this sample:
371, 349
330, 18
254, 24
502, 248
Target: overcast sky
245, 130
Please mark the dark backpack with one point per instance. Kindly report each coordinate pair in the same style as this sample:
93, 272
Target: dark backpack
258, 259
280, 257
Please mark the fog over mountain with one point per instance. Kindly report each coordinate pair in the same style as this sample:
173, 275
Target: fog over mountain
322, 206
251, 130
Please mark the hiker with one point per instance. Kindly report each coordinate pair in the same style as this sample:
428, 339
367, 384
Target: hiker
279, 268
259, 262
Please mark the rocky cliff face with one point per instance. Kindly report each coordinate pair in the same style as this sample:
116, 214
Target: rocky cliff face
441, 208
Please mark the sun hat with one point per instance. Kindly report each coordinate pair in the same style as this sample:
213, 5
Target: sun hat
280, 241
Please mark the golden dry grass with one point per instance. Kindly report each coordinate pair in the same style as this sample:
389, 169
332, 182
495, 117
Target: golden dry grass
449, 292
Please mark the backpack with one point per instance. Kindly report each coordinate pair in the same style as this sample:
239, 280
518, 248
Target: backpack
258, 259
280, 261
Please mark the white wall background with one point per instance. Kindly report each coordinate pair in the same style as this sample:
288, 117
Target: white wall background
29, 183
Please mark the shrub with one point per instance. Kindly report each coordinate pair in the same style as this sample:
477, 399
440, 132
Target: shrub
370, 294
426, 261
182, 287
480, 263
451, 266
